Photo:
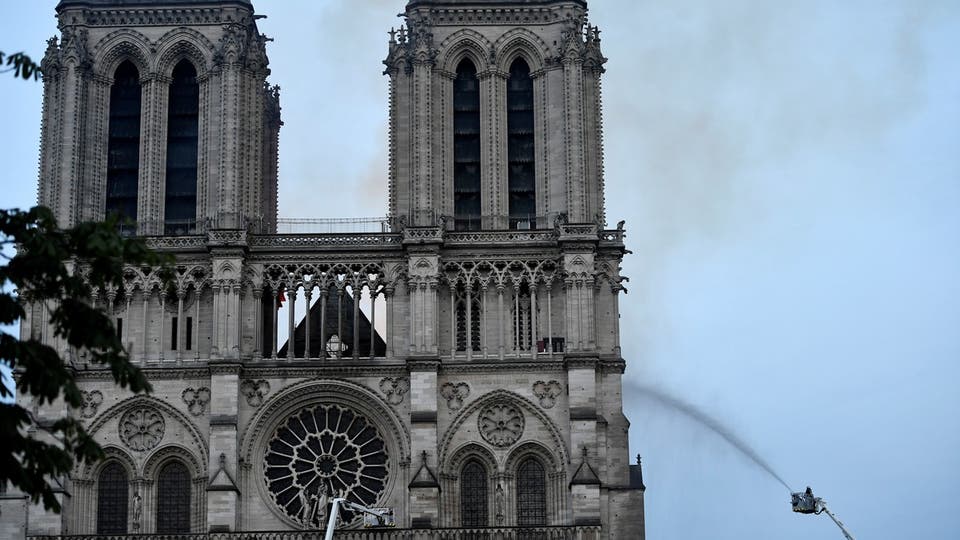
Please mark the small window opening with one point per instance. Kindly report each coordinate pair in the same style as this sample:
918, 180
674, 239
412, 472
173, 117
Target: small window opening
173, 333
189, 336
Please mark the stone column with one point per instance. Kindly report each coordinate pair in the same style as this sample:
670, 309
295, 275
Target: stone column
227, 248
153, 150
495, 197
573, 128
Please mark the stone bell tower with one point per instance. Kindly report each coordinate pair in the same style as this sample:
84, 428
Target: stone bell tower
495, 114
461, 367
159, 111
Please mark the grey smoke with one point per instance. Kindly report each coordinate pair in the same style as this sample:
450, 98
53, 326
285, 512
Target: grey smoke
709, 422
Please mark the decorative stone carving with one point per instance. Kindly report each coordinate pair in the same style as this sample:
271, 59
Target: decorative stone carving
254, 391
394, 388
501, 424
323, 447
547, 393
91, 402
141, 428
137, 510
455, 394
499, 505
196, 400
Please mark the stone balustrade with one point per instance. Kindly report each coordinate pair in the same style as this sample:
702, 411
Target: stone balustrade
487, 533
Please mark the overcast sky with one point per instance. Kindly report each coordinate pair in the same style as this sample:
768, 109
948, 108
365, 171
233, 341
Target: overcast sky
790, 176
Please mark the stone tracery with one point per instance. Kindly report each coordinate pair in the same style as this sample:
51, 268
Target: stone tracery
142, 428
323, 450
501, 424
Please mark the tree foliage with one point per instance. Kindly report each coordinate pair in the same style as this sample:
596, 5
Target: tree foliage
21, 65
58, 269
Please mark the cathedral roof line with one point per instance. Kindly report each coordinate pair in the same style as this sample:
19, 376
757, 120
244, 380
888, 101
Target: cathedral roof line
490, 3
148, 3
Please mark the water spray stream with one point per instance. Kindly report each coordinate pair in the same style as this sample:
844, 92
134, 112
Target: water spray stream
804, 503
714, 425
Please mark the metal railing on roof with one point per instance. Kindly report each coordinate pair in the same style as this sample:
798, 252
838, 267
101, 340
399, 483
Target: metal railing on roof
333, 225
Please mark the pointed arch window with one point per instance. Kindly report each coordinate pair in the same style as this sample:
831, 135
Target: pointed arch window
180, 198
466, 148
521, 176
473, 495
173, 499
475, 305
531, 494
522, 312
123, 143
112, 493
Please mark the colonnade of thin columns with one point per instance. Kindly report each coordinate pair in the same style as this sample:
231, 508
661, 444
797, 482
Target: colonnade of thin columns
311, 349
519, 340
141, 352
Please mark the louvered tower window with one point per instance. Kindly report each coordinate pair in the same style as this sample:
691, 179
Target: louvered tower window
180, 201
473, 495
520, 150
112, 492
531, 494
466, 148
173, 499
123, 143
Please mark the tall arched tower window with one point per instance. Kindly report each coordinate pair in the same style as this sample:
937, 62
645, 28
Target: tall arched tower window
473, 495
112, 492
123, 144
531, 494
520, 146
466, 148
173, 499
180, 200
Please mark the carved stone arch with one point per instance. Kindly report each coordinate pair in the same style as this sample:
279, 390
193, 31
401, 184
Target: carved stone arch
528, 408
343, 391
548, 272
196, 438
470, 451
91, 470
451, 473
170, 452
464, 43
183, 43
121, 45
555, 478
154, 464
396, 273
532, 448
520, 42
340, 392
605, 273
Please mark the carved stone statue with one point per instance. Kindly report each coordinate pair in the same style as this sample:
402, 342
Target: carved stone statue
498, 502
314, 506
137, 510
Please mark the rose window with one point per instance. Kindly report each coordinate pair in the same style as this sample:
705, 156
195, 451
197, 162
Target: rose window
141, 428
323, 452
501, 424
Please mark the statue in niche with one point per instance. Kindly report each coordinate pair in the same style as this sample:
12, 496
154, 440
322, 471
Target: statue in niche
499, 504
137, 510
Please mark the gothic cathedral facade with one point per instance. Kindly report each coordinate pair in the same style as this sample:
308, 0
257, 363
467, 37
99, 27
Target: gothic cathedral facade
460, 367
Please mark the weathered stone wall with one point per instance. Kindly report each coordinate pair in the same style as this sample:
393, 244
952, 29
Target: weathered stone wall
220, 405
